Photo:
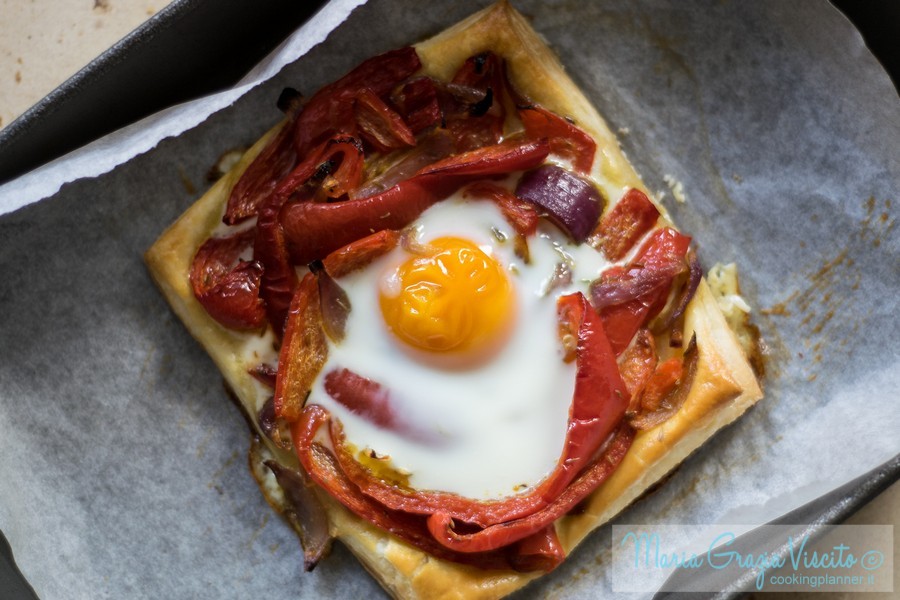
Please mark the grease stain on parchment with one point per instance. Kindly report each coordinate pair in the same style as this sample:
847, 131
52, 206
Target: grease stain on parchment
186, 182
823, 308
258, 531
213, 483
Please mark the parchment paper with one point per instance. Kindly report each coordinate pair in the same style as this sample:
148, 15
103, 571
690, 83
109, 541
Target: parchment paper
122, 463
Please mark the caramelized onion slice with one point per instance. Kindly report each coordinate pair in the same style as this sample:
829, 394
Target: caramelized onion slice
695, 274
434, 147
571, 203
305, 512
334, 302
632, 284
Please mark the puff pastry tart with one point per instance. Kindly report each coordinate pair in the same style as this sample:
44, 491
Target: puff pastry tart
464, 333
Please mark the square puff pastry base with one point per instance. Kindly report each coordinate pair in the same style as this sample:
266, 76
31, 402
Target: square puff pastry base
724, 387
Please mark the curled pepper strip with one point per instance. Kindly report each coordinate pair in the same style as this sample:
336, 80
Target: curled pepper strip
621, 228
637, 365
597, 408
566, 139
441, 524
322, 468
330, 110
314, 229
303, 350
261, 176
381, 125
520, 214
667, 389
337, 163
279, 278
479, 124
227, 287
649, 278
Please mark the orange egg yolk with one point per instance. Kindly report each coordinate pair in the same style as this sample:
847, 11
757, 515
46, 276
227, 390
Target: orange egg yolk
452, 299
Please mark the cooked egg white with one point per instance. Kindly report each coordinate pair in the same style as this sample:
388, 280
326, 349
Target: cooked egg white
493, 426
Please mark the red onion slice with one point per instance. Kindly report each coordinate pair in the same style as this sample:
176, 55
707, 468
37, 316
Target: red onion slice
688, 290
571, 203
334, 302
305, 512
632, 284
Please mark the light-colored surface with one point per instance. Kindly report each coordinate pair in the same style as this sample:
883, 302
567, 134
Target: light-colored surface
44, 42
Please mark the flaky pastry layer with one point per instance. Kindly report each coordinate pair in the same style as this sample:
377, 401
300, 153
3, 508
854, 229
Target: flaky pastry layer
724, 386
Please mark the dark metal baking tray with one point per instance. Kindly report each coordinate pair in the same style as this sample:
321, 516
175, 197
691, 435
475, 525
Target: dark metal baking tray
189, 49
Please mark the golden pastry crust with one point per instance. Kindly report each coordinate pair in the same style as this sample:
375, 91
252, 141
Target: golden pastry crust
724, 387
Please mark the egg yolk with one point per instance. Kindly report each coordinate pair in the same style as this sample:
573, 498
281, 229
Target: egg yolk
452, 299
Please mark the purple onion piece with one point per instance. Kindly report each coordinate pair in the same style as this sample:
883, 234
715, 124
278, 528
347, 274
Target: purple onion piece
305, 512
264, 373
570, 202
688, 291
334, 302
465, 93
274, 428
634, 283
267, 419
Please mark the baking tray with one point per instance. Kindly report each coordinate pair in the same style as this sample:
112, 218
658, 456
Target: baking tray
215, 42
189, 49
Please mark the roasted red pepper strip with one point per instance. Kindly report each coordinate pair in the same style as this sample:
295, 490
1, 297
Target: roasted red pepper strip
441, 524
597, 408
661, 383
665, 247
337, 163
566, 139
541, 551
637, 365
418, 102
314, 229
628, 221
330, 110
362, 396
522, 215
371, 401
482, 123
227, 287
262, 175
667, 389
303, 350
324, 470
304, 347
279, 278
499, 159
380, 125
361, 252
